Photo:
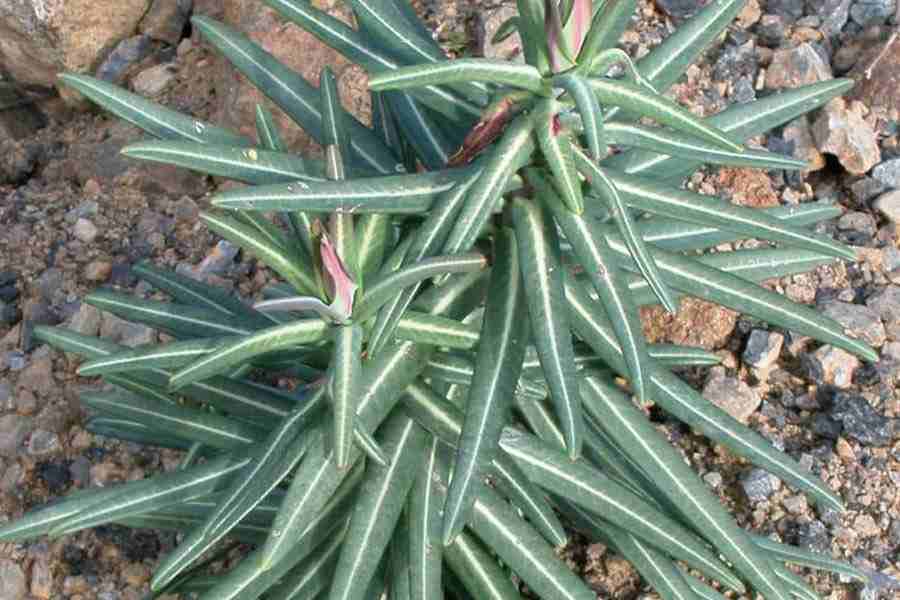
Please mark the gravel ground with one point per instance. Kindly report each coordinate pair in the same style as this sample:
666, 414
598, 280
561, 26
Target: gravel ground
75, 215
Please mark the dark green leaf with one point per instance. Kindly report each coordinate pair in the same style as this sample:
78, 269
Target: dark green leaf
249, 165
156, 120
378, 508
542, 272
497, 369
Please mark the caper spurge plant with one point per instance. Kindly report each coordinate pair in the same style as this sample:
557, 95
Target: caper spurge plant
460, 291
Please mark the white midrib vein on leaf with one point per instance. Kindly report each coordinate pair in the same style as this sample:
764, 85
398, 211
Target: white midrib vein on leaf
149, 116
268, 167
662, 533
797, 473
686, 494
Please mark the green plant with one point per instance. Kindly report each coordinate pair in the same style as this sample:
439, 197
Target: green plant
458, 304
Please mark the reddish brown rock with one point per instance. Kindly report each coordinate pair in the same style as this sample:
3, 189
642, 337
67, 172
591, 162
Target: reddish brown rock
697, 323
748, 187
39, 39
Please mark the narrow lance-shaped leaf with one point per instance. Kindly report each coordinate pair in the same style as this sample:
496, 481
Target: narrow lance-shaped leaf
189, 423
247, 580
250, 165
598, 260
589, 110
190, 291
557, 148
436, 331
523, 549
267, 130
456, 71
480, 574
346, 368
794, 585
312, 577
153, 118
542, 272
381, 290
93, 504
686, 146
397, 194
640, 101
369, 446
425, 499
657, 568
279, 337
497, 369
560, 52
531, 32
374, 235
528, 498
442, 418
314, 482
673, 478
279, 259
398, 561
624, 221
734, 292
646, 194
684, 235
808, 558
511, 153
402, 34
154, 356
589, 488
506, 29
378, 509
334, 129
423, 137
665, 63
271, 233
178, 319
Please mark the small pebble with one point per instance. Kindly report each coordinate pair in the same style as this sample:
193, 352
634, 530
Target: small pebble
98, 270
759, 485
830, 365
85, 230
733, 396
763, 348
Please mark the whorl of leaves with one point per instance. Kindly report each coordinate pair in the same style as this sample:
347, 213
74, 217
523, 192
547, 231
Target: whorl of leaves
460, 296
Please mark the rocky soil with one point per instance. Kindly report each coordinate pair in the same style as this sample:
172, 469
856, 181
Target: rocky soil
76, 215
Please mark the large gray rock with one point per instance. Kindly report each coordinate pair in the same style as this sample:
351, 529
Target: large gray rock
39, 38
